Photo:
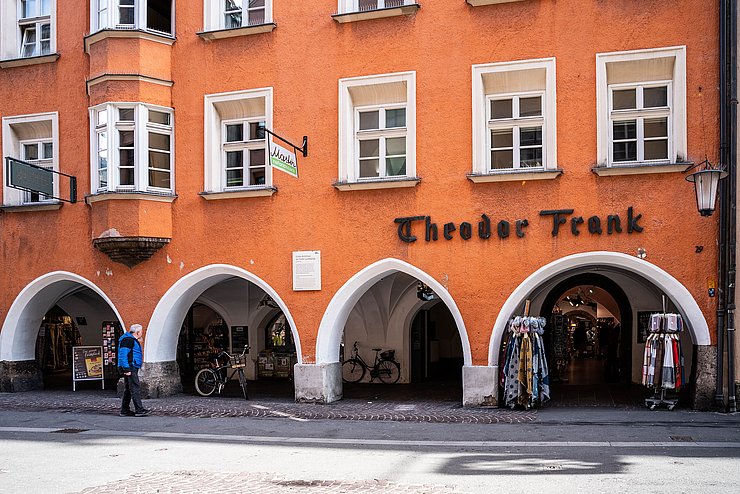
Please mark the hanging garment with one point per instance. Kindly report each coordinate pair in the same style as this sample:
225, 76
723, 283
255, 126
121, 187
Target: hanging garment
511, 386
525, 371
669, 371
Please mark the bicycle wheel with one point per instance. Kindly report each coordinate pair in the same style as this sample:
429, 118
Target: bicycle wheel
389, 371
352, 371
243, 383
206, 382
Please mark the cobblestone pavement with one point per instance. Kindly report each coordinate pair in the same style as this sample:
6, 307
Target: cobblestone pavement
194, 406
226, 483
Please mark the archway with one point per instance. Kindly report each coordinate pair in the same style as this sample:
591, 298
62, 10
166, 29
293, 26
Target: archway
83, 302
244, 301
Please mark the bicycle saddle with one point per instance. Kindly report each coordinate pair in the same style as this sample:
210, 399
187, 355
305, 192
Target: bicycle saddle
377, 349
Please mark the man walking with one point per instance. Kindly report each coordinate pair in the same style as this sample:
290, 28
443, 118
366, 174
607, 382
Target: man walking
130, 358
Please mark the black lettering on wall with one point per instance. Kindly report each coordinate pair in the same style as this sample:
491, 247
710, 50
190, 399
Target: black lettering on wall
466, 230
520, 224
448, 229
484, 227
613, 223
431, 230
558, 218
594, 225
404, 227
632, 220
504, 228
574, 222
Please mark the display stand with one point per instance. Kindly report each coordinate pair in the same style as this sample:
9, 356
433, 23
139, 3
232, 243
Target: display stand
663, 364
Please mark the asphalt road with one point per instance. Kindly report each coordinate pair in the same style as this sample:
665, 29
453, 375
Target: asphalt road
564, 451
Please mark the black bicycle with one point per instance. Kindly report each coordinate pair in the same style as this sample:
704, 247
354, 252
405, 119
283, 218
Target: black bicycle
385, 367
215, 378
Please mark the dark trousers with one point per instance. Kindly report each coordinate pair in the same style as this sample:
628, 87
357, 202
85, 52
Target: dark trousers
132, 391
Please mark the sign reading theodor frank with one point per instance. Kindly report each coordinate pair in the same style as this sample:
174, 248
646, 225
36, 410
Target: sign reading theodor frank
562, 220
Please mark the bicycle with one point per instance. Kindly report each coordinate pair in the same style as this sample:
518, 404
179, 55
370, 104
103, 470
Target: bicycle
385, 367
215, 378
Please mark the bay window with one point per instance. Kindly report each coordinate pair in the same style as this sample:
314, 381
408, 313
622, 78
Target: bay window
148, 15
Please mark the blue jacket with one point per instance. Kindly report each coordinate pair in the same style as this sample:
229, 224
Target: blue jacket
129, 353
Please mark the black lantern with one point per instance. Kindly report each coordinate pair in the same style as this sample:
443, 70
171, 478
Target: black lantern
706, 181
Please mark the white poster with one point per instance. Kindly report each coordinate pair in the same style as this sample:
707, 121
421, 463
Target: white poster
307, 270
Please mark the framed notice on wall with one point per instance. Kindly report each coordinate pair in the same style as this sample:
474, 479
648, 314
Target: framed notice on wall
307, 270
643, 325
87, 364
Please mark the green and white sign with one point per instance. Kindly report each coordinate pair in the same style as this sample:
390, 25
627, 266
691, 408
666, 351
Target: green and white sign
284, 160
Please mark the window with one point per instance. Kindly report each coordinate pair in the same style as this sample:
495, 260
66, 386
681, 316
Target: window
377, 131
33, 139
150, 15
34, 27
132, 148
236, 14
641, 107
236, 141
514, 117
346, 6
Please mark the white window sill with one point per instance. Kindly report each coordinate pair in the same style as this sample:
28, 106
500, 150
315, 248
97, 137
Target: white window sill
260, 191
239, 31
22, 62
31, 207
641, 169
478, 3
129, 196
381, 183
376, 14
514, 175
157, 37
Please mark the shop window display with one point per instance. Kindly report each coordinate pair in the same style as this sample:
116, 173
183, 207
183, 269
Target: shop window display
279, 356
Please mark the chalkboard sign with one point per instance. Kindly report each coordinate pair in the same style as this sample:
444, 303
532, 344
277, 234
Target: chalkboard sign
643, 325
87, 364
239, 338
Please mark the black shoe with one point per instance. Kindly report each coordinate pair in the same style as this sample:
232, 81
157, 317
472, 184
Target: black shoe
141, 413
126, 413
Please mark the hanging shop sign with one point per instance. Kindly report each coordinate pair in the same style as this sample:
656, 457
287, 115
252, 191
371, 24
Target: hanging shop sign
87, 364
409, 227
282, 158
37, 179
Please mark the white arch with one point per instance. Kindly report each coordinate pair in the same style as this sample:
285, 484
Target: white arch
21, 325
165, 324
337, 312
672, 288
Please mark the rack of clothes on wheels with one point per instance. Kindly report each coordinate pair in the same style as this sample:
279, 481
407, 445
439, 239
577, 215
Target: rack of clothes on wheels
663, 363
525, 375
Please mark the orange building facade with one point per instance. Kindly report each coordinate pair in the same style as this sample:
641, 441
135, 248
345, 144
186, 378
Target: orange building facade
463, 160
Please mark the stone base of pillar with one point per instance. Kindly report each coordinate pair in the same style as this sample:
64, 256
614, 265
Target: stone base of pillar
16, 376
158, 380
705, 372
318, 383
480, 386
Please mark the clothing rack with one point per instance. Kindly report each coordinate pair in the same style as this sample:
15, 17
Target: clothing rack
525, 375
663, 364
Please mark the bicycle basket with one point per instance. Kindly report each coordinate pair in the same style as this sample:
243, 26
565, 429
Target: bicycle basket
238, 361
388, 355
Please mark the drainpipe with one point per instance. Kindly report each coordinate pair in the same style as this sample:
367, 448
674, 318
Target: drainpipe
732, 233
719, 398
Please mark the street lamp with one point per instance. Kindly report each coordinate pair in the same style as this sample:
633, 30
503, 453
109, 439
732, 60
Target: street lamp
706, 182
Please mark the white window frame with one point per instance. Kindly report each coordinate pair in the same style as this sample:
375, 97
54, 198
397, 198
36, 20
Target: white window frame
382, 134
41, 161
346, 6
244, 147
515, 123
12, 26
215, 156
141, 127
12, 146
110, 17
215, 15
481, 112
349, 124
677, 134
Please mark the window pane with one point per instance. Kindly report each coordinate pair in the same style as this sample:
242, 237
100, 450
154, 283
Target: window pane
159, 117
159, 15
233, 21
256, 176
126, 15
625, 129
30, 152
655, 97
45, 7
159, 141
230, 5
370, 148
126, 114
234, 178
368, 4
45, 31
395, 146
624, 99
502, 138
530, 107
127, 2
158, 178
28, 8
102, 140
502, 159
256, 130
395, 166
45, 47
530, 136
625, 151
256, 157
395, 118
48, 150
127, 176
531, 157
501, 108
256, 17
126, 157
656, 127
656, 150
159, 160
369, 120
103, 178
102, 117
369, 168
234, 159
256, 3
234, 133
126, 138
